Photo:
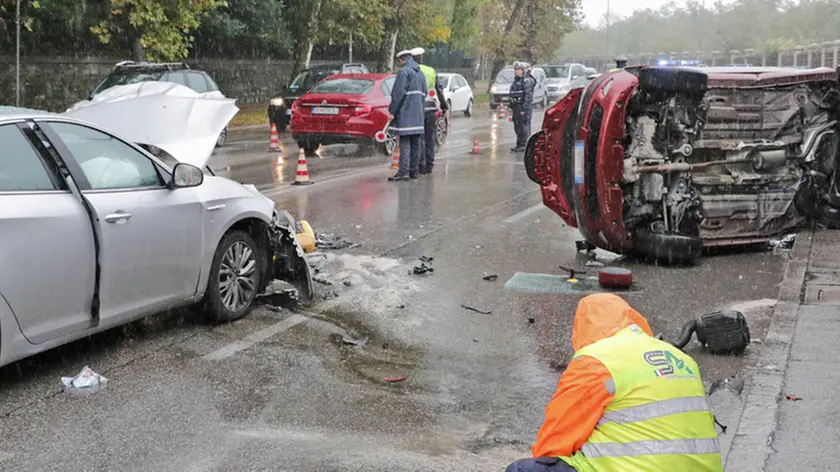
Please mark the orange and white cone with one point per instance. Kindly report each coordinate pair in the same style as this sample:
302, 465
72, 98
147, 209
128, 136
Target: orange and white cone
476, 149
274, 144
302, 177
501, 111
395, 162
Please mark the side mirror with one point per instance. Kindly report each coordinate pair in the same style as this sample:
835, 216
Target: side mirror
185, 176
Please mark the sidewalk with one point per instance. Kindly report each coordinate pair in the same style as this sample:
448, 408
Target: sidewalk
790, 419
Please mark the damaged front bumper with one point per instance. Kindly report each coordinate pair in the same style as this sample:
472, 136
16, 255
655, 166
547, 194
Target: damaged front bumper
290, 240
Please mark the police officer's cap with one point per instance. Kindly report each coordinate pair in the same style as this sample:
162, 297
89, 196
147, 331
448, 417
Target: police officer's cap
403, 53
620, 59
417, 52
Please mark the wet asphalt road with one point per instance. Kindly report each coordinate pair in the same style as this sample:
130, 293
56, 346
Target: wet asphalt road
280, 391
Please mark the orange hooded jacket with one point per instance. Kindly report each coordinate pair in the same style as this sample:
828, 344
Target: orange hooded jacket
582, 395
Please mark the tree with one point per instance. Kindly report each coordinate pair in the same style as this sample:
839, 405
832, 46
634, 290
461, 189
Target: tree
411, 23
155, 29
256, 28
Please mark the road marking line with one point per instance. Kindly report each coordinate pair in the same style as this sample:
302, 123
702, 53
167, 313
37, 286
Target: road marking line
255, 338
524, 213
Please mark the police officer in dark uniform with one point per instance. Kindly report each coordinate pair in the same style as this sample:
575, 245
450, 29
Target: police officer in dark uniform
522, 103
620, 63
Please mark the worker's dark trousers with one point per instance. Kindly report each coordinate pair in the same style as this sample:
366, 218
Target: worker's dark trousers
410, 147
521, 126
543, 464
430, 144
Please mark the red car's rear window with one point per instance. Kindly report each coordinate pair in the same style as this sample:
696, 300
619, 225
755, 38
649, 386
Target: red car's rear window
347, 86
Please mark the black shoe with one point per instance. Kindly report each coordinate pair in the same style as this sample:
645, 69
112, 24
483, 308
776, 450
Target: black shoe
398, 178
413, 176
518, 149
422, 170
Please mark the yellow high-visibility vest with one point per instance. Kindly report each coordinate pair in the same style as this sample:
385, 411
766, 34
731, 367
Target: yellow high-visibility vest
659, 418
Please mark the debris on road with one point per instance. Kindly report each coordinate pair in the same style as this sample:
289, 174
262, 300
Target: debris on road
477, 310
490, 277
322, 281
793, 398
334, 242
423, 269
426, 259
394, 379
532, 320
783, 243
722, 427
85, 379
354, 342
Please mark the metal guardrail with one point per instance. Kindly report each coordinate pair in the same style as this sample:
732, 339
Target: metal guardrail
826, 54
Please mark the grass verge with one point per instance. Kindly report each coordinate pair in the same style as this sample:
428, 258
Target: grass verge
250, 114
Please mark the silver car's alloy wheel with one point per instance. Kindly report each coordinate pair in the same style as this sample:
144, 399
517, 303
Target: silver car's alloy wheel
238, 276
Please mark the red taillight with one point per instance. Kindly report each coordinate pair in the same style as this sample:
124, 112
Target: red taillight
361, 110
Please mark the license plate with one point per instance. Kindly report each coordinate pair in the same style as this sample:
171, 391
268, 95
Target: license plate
325, 111
579, 162
288, 111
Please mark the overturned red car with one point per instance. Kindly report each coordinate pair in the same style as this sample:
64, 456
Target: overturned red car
663, 162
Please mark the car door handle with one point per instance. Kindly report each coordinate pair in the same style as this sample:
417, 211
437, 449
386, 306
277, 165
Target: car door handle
118, 217
216, 207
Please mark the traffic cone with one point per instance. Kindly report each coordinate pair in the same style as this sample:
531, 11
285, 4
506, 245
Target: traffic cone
395, 162
302, 177
475, 149
501, 113
274, 144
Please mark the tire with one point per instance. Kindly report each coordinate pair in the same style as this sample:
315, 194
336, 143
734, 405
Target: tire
218, 306
493, 106
668, 248
469, 111
664, 82
309, 148
544, 103
222, 139
829, 217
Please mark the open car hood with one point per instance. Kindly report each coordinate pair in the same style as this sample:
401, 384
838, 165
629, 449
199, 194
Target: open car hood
169, 116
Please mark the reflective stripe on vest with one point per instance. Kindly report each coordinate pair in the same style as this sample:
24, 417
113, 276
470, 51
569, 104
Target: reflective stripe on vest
652, 448
659, 418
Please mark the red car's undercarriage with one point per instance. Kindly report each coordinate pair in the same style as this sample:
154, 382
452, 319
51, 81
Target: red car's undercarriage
663, 162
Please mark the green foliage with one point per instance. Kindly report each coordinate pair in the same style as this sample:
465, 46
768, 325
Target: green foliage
163, 29
253, 27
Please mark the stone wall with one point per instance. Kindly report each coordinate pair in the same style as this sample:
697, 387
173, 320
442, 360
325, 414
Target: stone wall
55, 83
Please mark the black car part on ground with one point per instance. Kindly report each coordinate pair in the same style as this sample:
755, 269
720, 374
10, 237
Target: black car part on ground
288, 259
722, 332
667, 247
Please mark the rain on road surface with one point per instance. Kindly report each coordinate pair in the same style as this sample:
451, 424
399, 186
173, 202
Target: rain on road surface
282, 391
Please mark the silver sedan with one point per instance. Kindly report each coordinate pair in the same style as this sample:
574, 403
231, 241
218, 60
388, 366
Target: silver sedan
96, 232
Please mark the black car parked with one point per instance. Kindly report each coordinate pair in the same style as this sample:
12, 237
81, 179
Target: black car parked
280, 107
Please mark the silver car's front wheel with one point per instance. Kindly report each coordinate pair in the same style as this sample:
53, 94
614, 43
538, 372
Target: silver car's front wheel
238, 276
234, 277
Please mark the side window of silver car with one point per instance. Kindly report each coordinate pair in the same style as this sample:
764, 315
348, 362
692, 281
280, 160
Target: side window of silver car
107, 162
21, 170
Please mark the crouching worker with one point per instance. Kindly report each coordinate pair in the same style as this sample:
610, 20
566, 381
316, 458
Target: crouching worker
627, 401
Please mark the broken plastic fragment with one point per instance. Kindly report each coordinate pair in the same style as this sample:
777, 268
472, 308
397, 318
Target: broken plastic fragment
355, 342
85, 379
793, 398
477, 310
490, 277
426, 259
422, 269
394, 379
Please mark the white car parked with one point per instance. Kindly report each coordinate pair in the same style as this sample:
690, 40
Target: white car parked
458, 93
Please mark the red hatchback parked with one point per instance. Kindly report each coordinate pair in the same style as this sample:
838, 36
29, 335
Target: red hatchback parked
344, 109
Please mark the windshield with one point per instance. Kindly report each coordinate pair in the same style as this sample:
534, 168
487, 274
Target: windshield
344, 86
557, 72
505, 76
127, 78
306, 79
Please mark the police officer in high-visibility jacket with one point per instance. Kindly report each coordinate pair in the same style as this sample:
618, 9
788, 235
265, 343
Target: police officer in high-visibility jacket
627, 401
620, 63
435, 100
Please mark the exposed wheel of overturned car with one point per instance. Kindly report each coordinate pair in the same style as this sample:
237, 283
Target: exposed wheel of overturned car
235, 277
667, 247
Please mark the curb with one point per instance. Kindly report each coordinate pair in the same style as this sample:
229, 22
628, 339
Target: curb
752, 442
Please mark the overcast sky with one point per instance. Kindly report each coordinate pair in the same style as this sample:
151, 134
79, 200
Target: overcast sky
596, 9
